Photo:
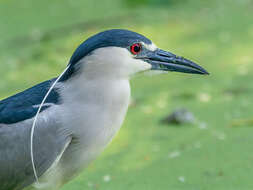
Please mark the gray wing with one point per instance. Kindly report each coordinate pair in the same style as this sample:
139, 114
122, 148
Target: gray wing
15, 126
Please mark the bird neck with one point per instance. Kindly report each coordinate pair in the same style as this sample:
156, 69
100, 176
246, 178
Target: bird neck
95, 106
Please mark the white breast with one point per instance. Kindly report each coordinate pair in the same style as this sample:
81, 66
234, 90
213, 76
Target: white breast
92, 113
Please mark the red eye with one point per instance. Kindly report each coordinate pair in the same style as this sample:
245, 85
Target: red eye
135, 48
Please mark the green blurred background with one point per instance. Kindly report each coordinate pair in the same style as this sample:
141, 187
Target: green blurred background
38, 37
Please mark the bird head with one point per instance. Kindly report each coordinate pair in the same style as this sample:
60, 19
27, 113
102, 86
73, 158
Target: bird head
122, 53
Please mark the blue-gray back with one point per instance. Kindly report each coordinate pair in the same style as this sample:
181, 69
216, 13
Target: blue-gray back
24, 105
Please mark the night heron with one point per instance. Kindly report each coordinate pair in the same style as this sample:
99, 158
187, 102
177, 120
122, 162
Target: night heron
49, 133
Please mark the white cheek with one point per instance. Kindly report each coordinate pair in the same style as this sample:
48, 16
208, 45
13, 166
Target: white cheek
137, 65
113, 61
122, 59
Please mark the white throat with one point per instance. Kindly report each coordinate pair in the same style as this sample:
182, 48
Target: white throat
99, 103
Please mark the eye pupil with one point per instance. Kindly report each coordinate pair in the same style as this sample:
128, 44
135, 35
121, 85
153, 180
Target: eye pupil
136, 48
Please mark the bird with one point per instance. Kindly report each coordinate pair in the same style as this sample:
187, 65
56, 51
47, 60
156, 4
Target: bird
50, 132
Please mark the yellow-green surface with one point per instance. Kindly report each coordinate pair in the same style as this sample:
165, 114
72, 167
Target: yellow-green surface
38, 37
